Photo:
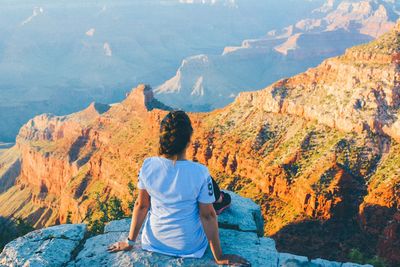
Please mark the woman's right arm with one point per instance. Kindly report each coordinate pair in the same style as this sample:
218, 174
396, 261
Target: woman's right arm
210, 224
142, 205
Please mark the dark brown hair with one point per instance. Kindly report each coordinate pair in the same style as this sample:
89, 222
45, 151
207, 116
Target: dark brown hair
175, 132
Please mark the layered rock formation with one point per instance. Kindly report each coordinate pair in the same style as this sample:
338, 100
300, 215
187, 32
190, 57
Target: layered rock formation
319, 152
212, 81
70, 245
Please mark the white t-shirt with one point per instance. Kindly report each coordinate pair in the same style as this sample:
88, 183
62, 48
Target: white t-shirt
173, 225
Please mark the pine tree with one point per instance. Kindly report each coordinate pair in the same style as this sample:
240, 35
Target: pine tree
103, 212
103, 209
131, 188
96, 227
12, 228
23, 227
115, 211
69, 220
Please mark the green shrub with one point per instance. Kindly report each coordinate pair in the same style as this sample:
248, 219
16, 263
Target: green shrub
132, 189
10, 229
115, 211
103, 212
357, 256
376, 262
68, 220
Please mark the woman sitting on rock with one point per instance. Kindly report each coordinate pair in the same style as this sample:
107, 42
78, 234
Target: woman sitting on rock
180, 198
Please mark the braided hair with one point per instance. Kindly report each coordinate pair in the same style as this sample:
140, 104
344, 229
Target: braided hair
175, 132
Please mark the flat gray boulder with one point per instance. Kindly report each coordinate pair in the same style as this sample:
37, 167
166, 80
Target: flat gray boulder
95, 252
243, 215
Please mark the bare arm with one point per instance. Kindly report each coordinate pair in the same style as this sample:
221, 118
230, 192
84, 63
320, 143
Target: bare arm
208, 218
210, 224
142, 205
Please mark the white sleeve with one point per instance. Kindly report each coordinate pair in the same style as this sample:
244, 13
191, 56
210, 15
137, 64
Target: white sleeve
206, 194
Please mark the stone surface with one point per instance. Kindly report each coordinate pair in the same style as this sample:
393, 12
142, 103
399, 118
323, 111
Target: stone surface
118, 226
350, 264
53, 246
286, 260
243, 215
94, 252
325, 263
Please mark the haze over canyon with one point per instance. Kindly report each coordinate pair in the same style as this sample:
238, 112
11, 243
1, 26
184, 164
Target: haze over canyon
198, 55
59, 57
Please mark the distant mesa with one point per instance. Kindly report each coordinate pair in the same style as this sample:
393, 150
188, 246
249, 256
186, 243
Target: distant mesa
142, 98
290, 44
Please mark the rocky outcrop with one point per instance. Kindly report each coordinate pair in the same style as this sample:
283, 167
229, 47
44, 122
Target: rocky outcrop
42, 177
355, 92
70, 245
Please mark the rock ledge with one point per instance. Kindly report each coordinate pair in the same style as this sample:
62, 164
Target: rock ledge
66, 245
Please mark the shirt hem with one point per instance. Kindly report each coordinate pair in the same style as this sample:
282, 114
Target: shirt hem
198, 254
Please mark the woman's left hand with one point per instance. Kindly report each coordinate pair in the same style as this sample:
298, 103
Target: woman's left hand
119, 246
